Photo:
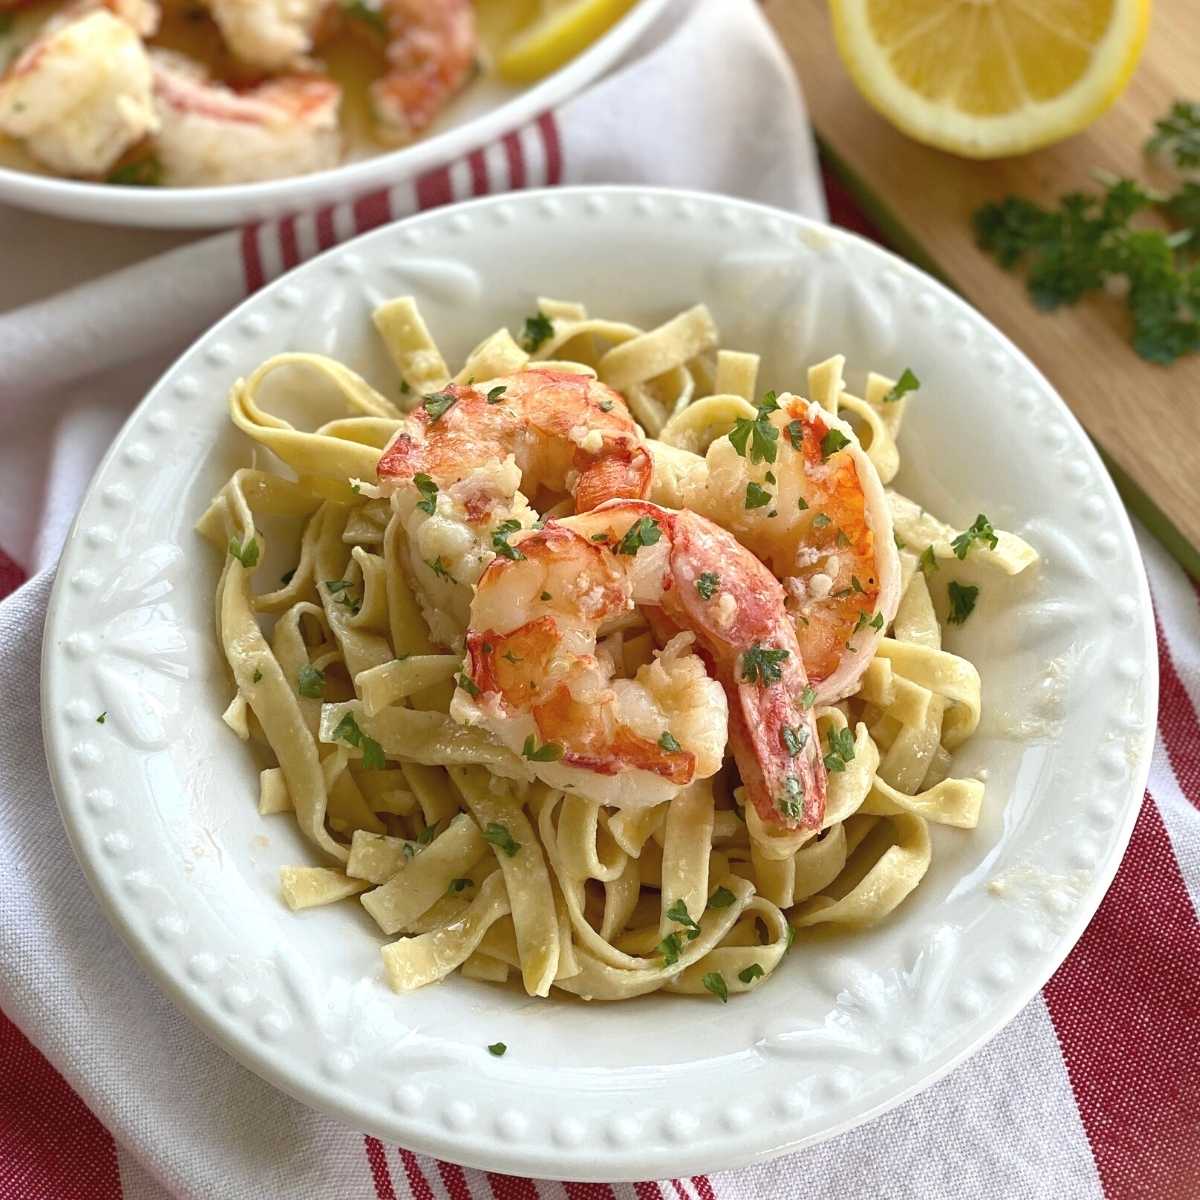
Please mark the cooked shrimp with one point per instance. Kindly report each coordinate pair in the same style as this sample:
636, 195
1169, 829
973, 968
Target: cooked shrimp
212, 135
535, 678
80, 94
431, 55
271, 34
795, 487
569, 434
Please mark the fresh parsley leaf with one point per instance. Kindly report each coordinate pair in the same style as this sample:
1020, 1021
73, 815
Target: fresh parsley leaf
855, 585
791, 803
500, 536
497, 1049
102, 717
144, 172
760, 664
876, 622
808, 697
1178, 134
795, 432
756, 495
427, 835
246, 554
707, 585
496, 394
751, 973
832, 442
714, 982
980, 531
606, 406
599, 537
311, 682
333, 586
645, 531
670, 948
669, 743
257, 676
405, 388
896, 539
928, 561
794, 739
373, 758
679, 914
458, 885
439, 568
549, 752
538, 329
907, 382
438, 404
545, 596
467, 684
498, 836
755, 436
962, 602
428, 490
721, 898
821, 521
288, 576
841, 750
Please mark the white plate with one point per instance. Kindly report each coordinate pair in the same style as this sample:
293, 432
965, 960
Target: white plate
159, 802
488, 110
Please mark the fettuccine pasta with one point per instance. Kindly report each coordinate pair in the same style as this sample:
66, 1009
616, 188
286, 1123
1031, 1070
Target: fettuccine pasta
517, 774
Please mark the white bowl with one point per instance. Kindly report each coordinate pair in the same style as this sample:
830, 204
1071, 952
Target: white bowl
159, 802
486, 112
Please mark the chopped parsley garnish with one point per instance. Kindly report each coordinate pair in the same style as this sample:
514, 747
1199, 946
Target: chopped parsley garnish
360, 10
855, 585
145, 172
791, 803
545, 596
980, 531
257, 676
875, 622
467, 684
645, 531
311, 682
498, 836
439, 568
356, 487
102, 717
907, 382
714, 982
808, 697
756, 495
821, 520
1178, 133
795, 432
669, 948
832, 442
599, 537
428, 490
606, 406
896, 539
426, 835
246, 554
458, 885
721, 898
405, 387
751, 973
841, 749
336, 585
500, 536
760, 665
669, 743
438, 404
549, 752
347, 730
496, 394
801, 504
497, 1049
538, 329
707, 585
755, 436
287, 577
679, 914
928, 561
962, 602
794, 738
791, 937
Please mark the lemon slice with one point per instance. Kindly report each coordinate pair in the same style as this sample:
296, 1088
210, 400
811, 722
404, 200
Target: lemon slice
557, 36
985, 78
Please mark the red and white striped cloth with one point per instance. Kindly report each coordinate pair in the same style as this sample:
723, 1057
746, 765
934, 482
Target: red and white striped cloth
110, 1094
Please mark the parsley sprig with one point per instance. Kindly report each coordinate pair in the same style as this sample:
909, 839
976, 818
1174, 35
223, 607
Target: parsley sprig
760, 664
500, 536
538, 329
1178, 134
755, 437
372, 752
841, 750
645, 531
980, 531
962, 601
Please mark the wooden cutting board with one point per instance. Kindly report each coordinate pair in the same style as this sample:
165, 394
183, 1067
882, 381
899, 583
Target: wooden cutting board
1145, 418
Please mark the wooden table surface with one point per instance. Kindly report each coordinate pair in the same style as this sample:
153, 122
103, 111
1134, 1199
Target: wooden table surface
1145, 418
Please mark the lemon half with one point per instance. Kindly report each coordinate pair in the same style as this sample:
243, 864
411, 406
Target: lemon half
985, 78
561, 32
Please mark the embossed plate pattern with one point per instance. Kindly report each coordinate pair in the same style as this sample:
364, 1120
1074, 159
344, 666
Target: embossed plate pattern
159, 801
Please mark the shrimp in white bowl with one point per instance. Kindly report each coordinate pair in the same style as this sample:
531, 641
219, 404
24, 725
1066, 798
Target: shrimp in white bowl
81, 93
210, 134
272, 34
793, 485
462, 469
730, 667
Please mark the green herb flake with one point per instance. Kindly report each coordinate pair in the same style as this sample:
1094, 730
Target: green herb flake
311, 682
496, 394
962, 601
791, 803
841, 750
896, 539
721, 898
102, 717
606, 406
549, 752
497, 1049
439, 568
760, 664
373, 758
808, 697
752, 972
538, 329
795, 432
794, 739
144, 172
438, 404
333, 586
288, 576
832, 442
707, 585
458, 885
679, 914
427, 835
467, 684
980, 531
428, 490
907, 382
500, 536
246, 554
1178, 134
257, 676
928, 561
755, 437
822, 521
498, 836
756, 495
545, 596
669, 948
509, 656
669, 743
645, 531
714, 982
